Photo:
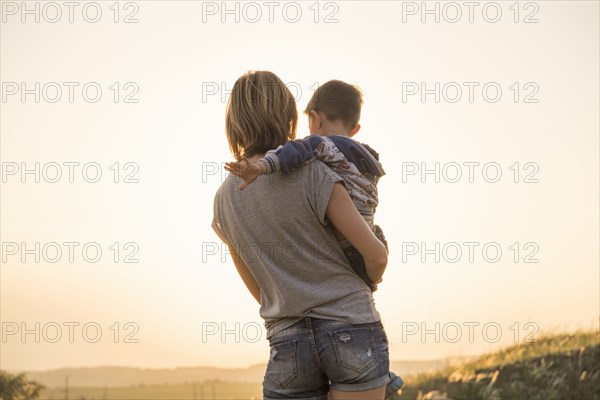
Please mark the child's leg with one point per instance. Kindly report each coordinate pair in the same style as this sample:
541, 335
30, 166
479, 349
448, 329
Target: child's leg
379, 233
358, 265
391, 391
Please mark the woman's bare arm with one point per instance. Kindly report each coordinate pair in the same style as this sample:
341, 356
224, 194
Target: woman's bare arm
245, 273
345, 217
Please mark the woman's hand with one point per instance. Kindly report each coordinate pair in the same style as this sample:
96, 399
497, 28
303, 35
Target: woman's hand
247, 170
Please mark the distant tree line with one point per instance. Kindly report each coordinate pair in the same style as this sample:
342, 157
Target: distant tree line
18, 387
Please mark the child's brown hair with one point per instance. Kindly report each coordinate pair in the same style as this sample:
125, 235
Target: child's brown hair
338, 100
261, 114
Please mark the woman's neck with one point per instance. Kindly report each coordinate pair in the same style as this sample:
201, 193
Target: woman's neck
256, 157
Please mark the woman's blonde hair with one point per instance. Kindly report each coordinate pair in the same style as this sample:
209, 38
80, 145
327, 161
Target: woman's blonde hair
261, 114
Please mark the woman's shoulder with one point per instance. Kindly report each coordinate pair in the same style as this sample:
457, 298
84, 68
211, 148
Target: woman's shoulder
323, 172
226, 187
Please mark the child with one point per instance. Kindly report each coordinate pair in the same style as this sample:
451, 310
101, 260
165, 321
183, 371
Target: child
333, 118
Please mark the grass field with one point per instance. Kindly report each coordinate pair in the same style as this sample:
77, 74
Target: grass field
190, 391
565, 366
553, 367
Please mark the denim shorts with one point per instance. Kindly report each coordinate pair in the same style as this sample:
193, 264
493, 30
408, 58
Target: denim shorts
315, 355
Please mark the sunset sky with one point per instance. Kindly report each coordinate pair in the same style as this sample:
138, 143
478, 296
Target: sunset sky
536, 123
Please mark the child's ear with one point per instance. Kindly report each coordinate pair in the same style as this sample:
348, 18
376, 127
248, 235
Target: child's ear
314, 120
355, 130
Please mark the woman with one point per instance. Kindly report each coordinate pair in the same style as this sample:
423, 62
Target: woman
325, 334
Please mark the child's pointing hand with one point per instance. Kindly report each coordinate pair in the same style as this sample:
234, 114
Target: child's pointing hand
248, 171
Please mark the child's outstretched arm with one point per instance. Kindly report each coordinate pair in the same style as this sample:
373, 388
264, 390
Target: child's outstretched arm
286, 158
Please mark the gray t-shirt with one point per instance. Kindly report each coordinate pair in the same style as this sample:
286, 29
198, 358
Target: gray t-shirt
278, 227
